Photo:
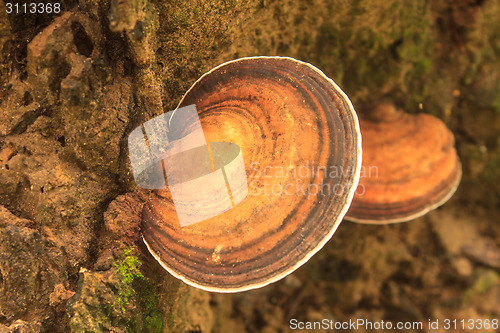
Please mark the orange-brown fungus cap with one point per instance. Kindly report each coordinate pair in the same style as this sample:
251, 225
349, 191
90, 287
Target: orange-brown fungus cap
410, 166
290, 121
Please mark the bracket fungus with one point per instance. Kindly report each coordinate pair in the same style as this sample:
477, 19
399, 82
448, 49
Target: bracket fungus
410, 166
301, 145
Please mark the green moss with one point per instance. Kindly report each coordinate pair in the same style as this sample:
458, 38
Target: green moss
372, 49
137, 294
129, 268
483, 284
491, 175
178, 19
171, 320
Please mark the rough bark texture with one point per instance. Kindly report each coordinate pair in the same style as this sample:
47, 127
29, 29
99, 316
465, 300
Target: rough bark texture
74, 84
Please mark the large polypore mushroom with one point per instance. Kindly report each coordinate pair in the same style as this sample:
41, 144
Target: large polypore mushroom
300, 142
410, 166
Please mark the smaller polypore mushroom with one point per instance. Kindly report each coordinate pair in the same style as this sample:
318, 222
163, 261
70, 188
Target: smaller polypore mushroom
410, 166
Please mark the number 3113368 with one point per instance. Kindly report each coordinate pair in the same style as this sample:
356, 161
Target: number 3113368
32, 8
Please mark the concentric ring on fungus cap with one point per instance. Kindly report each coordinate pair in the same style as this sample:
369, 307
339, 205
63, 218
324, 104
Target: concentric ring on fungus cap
285, 115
